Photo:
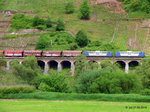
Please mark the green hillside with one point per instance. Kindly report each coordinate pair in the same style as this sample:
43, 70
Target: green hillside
125, 34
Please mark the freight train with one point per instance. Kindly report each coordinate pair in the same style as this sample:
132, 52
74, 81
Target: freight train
38, 53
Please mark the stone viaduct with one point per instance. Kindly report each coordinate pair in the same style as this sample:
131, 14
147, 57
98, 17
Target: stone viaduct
60, 63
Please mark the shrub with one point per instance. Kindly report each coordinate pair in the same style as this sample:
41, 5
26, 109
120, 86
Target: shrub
60, 25
41, 27
136, 5
19, 21
107, 64
81, 39
80, 65
95, 43
42, 43
69, 8
2, 63
85, 10
38, 21
14, 62
48, 23
92, 65
143, 71
16, 89
53, 83
145, 92
116, 82
107, 81
45, 87
74, 46
60, 41
85, 80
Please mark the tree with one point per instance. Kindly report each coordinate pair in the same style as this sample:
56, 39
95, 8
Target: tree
54, 83
60, 25
80, 65
81, 39
85, 10
143, 70
116, 82
69, 8
27, 71
42, 43
92, 65
85, 80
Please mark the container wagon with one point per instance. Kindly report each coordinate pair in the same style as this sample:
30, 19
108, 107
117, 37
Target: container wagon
71, 53
51, 53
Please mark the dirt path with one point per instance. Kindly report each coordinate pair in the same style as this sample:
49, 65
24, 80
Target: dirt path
110, 3
115, 31
101, 1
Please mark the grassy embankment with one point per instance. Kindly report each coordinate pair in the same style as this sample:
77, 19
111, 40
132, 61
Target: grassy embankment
95, 29
74, 96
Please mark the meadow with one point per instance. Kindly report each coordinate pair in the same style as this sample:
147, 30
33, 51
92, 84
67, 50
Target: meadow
71, 106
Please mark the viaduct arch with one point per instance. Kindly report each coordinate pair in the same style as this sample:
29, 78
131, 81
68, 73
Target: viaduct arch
59, 63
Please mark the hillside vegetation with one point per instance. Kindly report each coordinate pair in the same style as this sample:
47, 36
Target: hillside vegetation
123, 33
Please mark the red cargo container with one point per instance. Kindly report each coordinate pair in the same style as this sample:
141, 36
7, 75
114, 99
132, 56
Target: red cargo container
1, 52
35, 53
13, 53
71, 53
51, 53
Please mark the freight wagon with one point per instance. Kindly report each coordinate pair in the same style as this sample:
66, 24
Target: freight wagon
51, 53
71, 53
13, 53
35, 53
38, 53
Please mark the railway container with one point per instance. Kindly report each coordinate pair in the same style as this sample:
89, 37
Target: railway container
98, 54
13, 53
51, 53
130, 54
32, 52
71, 53
1, 52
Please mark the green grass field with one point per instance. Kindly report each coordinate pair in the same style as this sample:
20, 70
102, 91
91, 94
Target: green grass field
70, 106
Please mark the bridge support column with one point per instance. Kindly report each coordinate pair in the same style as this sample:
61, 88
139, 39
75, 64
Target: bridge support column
8, 65
59, 67
127, 67
72, 68
46, 67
